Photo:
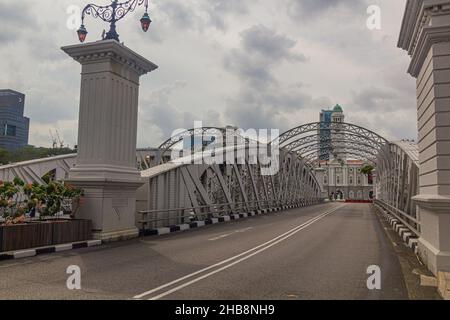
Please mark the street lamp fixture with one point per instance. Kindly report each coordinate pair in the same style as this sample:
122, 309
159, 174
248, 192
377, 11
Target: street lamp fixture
145, 21
111, 14
82, 33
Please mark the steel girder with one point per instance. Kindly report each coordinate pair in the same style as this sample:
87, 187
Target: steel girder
337, 146
223, 189
332, 138
34, 170
312, 158
317, 138
397, 177
333, 128
169, 143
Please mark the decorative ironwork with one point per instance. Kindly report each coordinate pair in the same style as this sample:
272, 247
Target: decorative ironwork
112, 14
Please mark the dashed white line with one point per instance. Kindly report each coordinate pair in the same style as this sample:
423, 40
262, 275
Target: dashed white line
229, 234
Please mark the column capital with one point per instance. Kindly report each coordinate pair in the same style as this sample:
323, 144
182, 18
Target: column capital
425, 23
109, 50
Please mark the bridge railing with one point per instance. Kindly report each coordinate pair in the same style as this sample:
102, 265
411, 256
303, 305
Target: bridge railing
147, 218
410, 222
397, 176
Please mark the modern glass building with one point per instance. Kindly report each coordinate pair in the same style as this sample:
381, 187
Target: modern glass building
14, 127
325, 134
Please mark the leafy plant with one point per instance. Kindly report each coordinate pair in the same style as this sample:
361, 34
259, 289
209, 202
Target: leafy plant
367, 169
17, 199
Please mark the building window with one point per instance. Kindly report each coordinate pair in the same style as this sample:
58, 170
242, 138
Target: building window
325, 180
338, 180
10, 130
350, 180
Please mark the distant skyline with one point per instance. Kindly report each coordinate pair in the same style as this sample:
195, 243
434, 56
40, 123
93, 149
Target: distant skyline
251, 64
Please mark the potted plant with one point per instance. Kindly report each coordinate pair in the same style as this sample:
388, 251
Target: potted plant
32, 215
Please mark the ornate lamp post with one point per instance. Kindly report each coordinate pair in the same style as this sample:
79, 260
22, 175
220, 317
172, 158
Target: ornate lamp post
111, 14
106, 155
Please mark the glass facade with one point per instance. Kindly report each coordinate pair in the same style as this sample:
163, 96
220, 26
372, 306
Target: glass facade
325, 134
14, 127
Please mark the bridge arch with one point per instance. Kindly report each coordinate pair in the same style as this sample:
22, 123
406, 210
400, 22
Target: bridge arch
313, 140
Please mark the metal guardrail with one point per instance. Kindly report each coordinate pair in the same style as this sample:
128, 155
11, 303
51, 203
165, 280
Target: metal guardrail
200, 213
410, 222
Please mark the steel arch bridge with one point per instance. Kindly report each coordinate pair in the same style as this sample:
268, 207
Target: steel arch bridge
176, 191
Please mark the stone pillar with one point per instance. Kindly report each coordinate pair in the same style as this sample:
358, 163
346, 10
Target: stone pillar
107, 130
425, 35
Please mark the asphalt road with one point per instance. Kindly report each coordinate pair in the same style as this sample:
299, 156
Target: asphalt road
319, 252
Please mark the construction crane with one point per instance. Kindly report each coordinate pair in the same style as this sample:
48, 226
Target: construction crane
61, 142
57, 140
54, 141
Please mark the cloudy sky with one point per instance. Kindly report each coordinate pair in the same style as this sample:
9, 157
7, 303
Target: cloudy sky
248, 63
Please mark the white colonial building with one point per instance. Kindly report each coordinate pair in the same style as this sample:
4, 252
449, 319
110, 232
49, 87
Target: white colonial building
338, 174
344, 180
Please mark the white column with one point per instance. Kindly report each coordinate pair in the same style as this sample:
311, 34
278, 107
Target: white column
106, 163
425, 35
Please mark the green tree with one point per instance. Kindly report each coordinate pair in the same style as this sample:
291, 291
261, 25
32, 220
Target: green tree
31, 153
367, 169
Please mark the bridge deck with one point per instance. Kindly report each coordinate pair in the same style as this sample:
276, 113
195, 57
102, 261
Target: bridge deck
325, 258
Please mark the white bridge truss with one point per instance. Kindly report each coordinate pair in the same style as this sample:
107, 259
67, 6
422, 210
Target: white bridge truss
175, 193
397, 182
179, 193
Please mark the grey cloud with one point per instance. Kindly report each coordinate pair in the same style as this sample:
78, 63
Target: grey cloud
255, 73
374, 98
201, 14
275, 109
16, 19
180, 14
262, 100
308, 9
164, 116
254, 84
391, 124
270, 45
219, 10
261, 49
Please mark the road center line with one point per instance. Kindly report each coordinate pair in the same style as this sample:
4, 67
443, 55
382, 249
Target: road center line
247, 254
229, 234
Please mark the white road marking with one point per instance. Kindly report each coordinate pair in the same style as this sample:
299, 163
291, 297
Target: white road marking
229, 234
220, 237
247, 254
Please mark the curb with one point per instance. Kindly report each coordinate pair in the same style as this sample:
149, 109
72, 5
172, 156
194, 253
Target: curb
199, 224
408, 237
25, 253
